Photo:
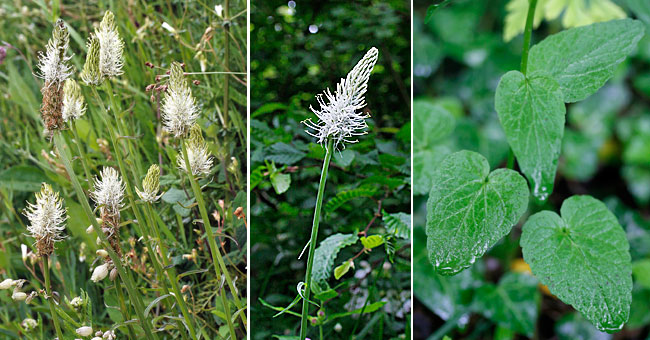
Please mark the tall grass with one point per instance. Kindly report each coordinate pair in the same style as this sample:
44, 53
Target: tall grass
183, 270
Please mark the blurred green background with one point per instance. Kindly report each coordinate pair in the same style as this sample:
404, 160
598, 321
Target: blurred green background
299, 49
194, 35
459, 57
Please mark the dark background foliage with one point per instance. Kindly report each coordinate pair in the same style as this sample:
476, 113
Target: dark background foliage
459, 57
289, 66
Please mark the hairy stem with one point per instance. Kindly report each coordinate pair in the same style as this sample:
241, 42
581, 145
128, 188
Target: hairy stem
312, 240
528, 32
217, 259
50, 297
117, 261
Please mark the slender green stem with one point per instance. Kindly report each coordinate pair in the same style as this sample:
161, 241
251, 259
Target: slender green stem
528, 31
117, 261
226, 56
116, 108
123, 309
171, 273
50, 297
82, 154
160, 273
314, 237
217, 260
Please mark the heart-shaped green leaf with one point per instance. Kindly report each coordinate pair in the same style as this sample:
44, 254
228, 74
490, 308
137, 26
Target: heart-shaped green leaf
513, 304
470, 209
582, 59
531, 111
583, 257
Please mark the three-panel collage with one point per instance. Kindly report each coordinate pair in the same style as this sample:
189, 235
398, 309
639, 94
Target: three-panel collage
325, 170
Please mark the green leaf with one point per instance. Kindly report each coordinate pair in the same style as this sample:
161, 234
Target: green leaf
470, 209
281, 182
343, 269
326, 295
344, 196
325, 255
641, 271
531, 112
344, 158
432, 123
373, 307
178, 197
283, 153
573, 326
513, 303
582, 59
398, 224
256, 176
372, 241
22, 178
583, 257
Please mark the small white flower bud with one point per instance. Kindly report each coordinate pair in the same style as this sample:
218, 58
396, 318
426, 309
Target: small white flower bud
85, 331
19, 296
23, 251
100, 273
338, 328
6, 284
29, 324
102, 253
98, 241
113, 274
90, 229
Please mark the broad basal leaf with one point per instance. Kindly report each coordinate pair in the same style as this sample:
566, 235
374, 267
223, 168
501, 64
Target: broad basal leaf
470, 209
432, 125
531, 112
582, 59
325, 255
583, 257
513, 304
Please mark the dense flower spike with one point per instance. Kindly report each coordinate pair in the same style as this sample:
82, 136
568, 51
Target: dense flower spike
108, 195
197, 154
46, 217
73, 102
53, 64
54, 70
150, 185
109, 191
90, 73
110, 47
340, 117
179, 110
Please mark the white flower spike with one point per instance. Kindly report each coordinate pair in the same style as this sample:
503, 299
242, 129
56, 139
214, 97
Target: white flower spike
73, 102
340, 116
197, 154
46, 217
109, 191
179, 110
110, 47
53, 64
